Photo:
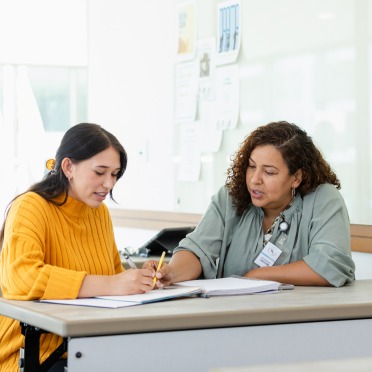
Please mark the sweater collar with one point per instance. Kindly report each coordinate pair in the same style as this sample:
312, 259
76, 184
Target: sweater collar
73, 207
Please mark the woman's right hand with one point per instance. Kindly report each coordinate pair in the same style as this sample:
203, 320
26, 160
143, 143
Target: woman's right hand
128, 282
133, 281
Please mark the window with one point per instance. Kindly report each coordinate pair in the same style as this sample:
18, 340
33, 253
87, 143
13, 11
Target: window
37, 105
60, 93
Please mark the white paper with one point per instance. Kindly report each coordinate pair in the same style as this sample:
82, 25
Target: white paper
155, 295
211, 135
227, 96
186, 92
132, 300
232, 286
93, 302
190, 163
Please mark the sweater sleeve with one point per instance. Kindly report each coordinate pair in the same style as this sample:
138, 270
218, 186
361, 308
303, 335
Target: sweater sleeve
24, 274
26, 277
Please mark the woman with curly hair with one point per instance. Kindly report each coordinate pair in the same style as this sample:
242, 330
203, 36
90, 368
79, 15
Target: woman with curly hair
279, 217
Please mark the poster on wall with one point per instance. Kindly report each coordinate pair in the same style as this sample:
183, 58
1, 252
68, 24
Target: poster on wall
227, 96
229, 31
186, 38
186, 91
206, 59
211, 135
190, 156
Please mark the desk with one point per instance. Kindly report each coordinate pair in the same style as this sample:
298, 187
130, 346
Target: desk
197, 334
339, 365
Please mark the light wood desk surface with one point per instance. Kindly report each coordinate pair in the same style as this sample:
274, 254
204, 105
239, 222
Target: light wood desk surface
197, 334
303, 304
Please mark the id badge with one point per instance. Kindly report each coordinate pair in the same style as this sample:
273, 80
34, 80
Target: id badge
268, 256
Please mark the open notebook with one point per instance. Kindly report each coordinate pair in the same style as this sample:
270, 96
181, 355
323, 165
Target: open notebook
155, 295
202, 287
235, 285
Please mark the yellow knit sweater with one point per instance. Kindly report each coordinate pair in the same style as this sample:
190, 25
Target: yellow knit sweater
47, 252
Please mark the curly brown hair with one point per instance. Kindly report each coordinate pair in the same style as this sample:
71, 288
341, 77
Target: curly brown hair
298, 151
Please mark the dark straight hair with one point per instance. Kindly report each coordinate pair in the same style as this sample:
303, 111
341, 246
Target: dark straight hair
80, 142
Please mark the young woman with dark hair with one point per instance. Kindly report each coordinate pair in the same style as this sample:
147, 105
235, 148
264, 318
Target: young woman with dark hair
58, 241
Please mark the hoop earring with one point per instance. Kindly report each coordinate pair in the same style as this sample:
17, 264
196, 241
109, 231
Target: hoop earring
293, 192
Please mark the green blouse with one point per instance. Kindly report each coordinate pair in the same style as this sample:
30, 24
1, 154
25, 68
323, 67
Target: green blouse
318, 233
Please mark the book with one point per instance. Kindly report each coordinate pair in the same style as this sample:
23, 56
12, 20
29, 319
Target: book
91, 302
166, 293
200, 287
235, 285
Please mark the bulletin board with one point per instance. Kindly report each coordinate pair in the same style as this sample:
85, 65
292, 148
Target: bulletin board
254, 62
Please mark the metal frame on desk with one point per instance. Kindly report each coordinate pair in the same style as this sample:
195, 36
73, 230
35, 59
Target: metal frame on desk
198, 334
30, 354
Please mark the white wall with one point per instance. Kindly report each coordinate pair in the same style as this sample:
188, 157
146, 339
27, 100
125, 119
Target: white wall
42, 33
308, 62
363, 263
305, 61
289, 48
131, 59
46, 32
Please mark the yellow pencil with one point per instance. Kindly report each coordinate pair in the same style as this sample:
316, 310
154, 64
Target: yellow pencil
159, 267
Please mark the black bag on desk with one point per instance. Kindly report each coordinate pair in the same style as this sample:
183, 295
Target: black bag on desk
165, 240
